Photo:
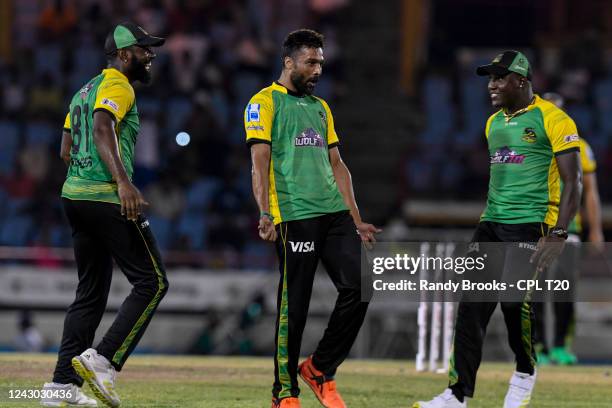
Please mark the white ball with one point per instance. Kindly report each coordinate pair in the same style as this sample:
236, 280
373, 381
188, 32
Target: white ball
183, 139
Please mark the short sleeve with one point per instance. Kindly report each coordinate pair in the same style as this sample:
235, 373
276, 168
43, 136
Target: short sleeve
562, 132
67, 123
258, 117
115, 97
587, 158
332, 136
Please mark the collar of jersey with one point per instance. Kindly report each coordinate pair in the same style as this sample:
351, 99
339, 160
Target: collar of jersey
532, 105
115, 72
281, 88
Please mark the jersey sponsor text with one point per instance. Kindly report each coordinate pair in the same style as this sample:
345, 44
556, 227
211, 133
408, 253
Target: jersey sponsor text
299, 246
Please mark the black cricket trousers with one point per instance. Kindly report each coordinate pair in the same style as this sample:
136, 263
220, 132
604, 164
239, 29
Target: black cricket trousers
333, 239
473, 317
100, 234
564, 314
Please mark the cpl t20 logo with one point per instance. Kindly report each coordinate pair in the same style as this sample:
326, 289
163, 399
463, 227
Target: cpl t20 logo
507, 156
309, 137
529, 135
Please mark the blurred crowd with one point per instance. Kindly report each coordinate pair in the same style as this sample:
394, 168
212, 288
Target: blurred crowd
218, 53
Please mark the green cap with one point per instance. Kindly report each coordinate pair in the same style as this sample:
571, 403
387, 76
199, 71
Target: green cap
506, 62
128, 34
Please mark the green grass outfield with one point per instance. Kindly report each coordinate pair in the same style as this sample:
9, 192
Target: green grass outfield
232, 382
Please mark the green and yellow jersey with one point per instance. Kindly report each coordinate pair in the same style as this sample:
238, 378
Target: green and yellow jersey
88, 178
524, 184
300, 130
589, 165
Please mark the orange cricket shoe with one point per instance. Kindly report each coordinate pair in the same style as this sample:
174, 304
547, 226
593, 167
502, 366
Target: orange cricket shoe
289, 402
324, 389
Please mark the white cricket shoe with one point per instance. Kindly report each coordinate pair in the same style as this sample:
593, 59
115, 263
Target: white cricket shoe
444, 400
97, 371
519, 392
65, 395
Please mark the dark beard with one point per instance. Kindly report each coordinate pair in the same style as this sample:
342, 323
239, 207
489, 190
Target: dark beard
139, 72
301, 84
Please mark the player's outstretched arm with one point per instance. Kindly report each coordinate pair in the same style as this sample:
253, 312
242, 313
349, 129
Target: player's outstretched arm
105, 140
260, 178
345, 185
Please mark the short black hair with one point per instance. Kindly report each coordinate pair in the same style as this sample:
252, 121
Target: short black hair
304, 37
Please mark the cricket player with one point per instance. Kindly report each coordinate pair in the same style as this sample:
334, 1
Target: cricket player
564, 312
533, 146
307, 206
104, 209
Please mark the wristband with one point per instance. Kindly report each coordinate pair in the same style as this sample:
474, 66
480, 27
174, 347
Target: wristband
266, 214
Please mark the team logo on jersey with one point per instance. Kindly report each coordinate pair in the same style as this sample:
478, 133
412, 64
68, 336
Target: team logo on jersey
110, 103
507, 156
85, 90
252, 112
529, 135
323, 117
571, 138
309, 137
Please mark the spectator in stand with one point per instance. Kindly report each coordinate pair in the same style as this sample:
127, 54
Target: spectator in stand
46, 97
29, 339
167, 198
14, 93
57, 20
